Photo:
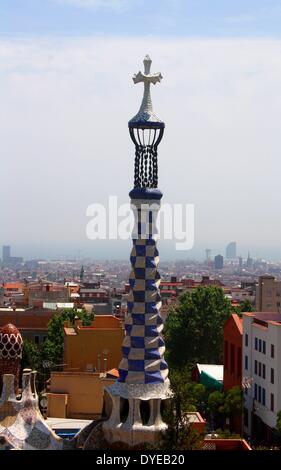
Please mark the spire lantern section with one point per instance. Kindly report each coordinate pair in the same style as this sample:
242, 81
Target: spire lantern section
146, 131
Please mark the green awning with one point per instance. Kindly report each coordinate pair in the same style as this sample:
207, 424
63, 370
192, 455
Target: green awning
210, 382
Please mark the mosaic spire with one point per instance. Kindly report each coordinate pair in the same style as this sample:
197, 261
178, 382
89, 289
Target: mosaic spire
143, 348
143, 371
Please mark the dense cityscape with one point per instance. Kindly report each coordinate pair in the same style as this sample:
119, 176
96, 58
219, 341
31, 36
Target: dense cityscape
34, 292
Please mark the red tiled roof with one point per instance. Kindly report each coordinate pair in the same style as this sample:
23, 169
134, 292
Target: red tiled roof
239, 322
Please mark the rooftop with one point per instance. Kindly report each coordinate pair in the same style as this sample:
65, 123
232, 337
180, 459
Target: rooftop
265, 318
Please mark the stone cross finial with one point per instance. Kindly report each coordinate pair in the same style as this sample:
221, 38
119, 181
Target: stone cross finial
147, 77
146, 113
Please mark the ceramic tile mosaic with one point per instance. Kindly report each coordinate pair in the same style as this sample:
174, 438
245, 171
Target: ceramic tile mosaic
22, 426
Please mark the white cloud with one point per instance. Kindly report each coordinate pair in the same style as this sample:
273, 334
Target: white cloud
64, 140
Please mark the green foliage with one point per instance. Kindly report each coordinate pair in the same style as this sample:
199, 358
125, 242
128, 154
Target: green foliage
245, 306
221, 405
228, 403
216, 402
233, 402
30, 356
226, 434
53, 346
194, 327
186, 395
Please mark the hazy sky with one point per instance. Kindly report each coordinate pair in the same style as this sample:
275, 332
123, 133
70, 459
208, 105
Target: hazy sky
66, 95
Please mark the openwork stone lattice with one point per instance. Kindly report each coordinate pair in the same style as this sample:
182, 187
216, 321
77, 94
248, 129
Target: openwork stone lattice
11, 346
10, 343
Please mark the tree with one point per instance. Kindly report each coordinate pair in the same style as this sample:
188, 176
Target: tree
215, 408
52, 350
30, 356
245, 306
194, 327
233, 402
216, 402
186, 395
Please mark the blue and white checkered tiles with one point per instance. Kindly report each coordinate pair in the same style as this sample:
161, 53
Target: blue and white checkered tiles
143, 347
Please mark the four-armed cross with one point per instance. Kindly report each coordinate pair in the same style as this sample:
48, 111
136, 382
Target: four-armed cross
147, 77
146, 111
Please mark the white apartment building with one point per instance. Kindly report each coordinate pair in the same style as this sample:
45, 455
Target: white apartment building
261, 372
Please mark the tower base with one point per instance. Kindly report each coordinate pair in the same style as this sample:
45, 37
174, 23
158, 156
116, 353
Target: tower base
134, 417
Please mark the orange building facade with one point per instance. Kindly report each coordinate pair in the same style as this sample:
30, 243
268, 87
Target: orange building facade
89, 353
93, 348
77, 395
233, 334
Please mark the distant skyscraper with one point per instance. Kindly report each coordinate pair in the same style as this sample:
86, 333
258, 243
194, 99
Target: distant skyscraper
208, 254
6, 253
249, 261
218, 262
231, 250
240, 261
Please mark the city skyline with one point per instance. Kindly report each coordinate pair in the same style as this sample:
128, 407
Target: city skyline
118, 252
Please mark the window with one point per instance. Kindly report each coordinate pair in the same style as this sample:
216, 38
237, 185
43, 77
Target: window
256, 367
256, 344
263, 396
246, 339
259, 394
264, 347
246, 362
259, 345
36, 339
232, 358
256, 392
272, 402
278, 304
259, 369
272, 351
44, 338
226, 355
263, 371
272, 376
